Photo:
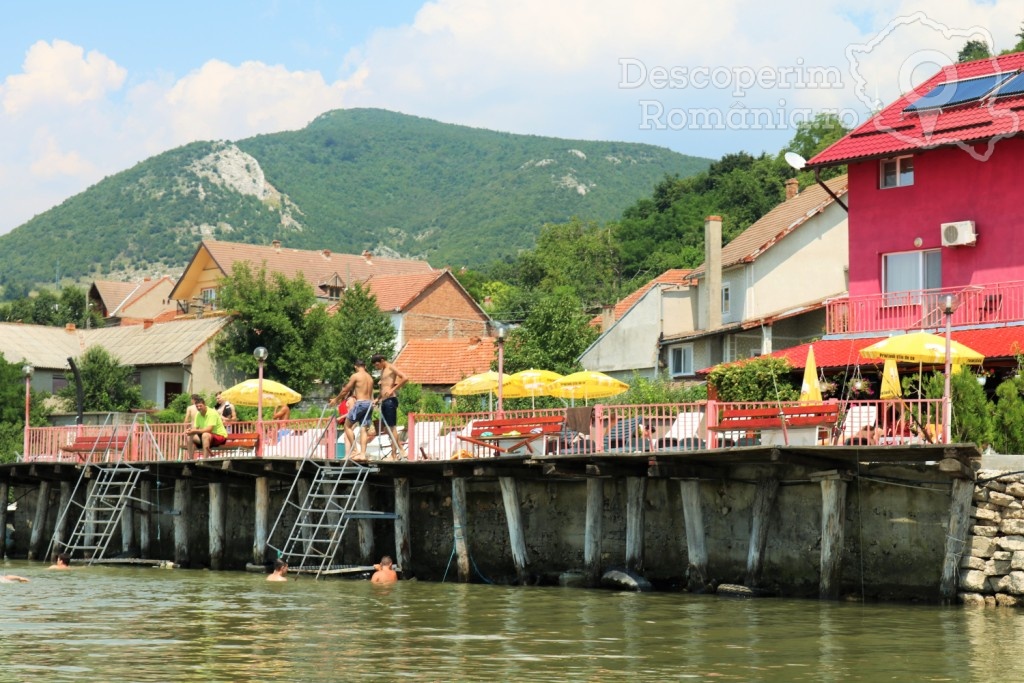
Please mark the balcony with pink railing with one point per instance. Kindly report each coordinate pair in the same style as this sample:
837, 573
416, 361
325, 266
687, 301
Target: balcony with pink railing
994, 303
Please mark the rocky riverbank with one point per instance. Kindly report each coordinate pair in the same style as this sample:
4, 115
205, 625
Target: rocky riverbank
992, 567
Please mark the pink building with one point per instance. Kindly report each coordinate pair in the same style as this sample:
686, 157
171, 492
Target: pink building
936, 207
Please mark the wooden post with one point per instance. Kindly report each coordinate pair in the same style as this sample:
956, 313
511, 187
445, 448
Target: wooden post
514, 519
956, 536
145, 518
5, 492
833, 521
216, 525
593, 535
636, 488
60, 530
259, 541
302, 487
764, 499
459, 527
182, 509
403, 537
365, 527
128, 546
89, 528
39, 520
696, 544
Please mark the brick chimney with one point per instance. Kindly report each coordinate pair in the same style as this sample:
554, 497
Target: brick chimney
70, 327
367, 254
713, 270
147, 323
792, 188
276, 244
607, 317
326, 253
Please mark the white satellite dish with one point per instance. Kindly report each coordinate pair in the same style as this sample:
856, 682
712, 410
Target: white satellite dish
795, 160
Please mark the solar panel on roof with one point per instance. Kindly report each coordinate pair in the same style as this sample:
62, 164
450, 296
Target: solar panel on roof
958, 92
1015, 86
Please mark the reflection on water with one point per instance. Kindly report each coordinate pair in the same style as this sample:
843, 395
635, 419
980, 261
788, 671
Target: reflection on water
142, 624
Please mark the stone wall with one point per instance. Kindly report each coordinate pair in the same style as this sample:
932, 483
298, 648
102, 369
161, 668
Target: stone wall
992, 567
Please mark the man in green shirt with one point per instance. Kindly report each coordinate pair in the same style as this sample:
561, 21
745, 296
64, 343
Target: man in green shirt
207, 431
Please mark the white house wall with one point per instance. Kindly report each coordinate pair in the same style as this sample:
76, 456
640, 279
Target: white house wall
679, 306
631, 343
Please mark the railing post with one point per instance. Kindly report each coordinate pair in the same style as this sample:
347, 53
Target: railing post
411, 437
711, 420
598, 427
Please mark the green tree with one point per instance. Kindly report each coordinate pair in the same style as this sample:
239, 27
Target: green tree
106, 384
362, 330
279, 314
581, 257
973, 49
972, 411
552, 336
760, 379
1008, 417
812, 137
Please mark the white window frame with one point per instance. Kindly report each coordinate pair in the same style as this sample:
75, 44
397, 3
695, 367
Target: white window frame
209, 297
898, 295
726, 299
902, 172
683, 365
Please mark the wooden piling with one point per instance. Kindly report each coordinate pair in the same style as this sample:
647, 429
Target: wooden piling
145, 517
636, 488
365, 527
696, 543
39, 520
216, 525
833, 521
60, 529
516, 537
5, 492
592, 531
182, 516
302, 488
262, 521
764, 499
460, 528
89, 528
403, 537
956, 536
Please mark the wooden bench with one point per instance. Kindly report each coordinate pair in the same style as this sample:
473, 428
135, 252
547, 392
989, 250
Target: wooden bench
84, 445
240, 441
802, 421
507, 435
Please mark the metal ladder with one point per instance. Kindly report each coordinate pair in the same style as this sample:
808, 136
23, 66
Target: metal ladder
323, 512
100, 515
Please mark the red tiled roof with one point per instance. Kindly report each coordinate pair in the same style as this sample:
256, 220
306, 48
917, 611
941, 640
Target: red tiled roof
674, 276
445, 361
993, 343
892, 130
779, 222
317, 267
113, 294
396, 292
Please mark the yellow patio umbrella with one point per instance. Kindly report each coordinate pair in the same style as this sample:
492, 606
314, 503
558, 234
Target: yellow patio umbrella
481, 383
530, 383
274, 393
922, 347
891, 380
586, 385
810, 390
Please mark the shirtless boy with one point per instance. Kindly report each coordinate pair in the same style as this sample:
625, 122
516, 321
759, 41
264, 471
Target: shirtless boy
391, 380
359, 387
385, 572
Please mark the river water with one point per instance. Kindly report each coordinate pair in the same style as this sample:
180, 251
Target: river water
149, 624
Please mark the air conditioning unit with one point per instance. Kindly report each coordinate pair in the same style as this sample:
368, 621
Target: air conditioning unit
959, 234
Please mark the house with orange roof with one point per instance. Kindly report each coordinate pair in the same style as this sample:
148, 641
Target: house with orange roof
766, 289
327, 273
127, 302
439, 363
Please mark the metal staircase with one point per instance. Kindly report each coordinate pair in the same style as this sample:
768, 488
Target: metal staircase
322, 512
113, 482
112, 487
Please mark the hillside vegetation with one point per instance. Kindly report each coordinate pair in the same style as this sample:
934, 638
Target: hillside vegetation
351, 180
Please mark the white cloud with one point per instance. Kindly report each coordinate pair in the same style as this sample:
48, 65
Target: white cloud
60, 73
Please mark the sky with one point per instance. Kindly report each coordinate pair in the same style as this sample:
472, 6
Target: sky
90, 89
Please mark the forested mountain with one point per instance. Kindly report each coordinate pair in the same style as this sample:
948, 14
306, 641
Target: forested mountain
351, 180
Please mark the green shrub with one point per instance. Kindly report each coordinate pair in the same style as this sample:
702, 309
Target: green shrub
760, 379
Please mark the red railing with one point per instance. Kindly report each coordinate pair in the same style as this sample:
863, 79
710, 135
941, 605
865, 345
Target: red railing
628, 429
1000, 302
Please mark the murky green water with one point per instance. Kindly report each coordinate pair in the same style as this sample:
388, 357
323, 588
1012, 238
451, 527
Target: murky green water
142, 624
